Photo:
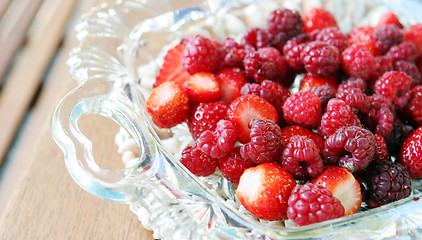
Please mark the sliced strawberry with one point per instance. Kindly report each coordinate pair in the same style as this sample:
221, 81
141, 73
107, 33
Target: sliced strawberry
202, 87
168, 105
410, 154
309, 81
245, 108
264, 191
172, 69
343, 185
318, 18
414, 34
231, 82
389, 18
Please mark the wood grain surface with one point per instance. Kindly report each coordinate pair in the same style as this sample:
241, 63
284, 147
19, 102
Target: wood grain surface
38, 198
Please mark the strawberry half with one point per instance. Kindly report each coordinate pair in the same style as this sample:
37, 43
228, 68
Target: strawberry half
172, 69
245, 108
168, 105
410, 154
202, 87
310, 81
343, 185
264, 191
231, 82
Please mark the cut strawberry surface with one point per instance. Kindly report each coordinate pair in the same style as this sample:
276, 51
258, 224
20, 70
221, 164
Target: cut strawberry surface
245, 108
172, 69
264, 191
231, 82
168, 105
310, 81
343, 185
202, 87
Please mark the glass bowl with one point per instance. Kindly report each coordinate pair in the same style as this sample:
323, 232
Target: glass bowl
120, 50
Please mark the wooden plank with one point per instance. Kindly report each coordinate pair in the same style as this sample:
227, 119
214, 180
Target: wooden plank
24, 79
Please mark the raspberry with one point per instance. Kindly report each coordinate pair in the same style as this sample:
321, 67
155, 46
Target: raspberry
388, 182
381, 150
198, 162
352, 83
410, 69
292, 50
219, 143
295, 130
350, 147
324, 93
395, 86
233, 165
317, 19
256, 37
413, 109
337, 114
353, 97
363, 36
312, 203
301, 158
333, 36
232, 53
205, 116
200, 55
406, 51
283, 24
265, 144
386, 36
383, 63
303, 108
410, 154
378, 115
266, 63
320, 58
357, 61
397, 136
273, 92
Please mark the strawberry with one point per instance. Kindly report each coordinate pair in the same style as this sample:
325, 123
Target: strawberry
202, 87
172, 69
264, 191
168, 105
389, 17
343, 185
410, 154
317, 19
231, 81
414, 34
245, 108
310, 81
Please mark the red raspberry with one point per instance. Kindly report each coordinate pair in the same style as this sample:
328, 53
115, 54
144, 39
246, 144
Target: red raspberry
351, 83
413, 109
386, 36
303, 108
378, 115
219, 143
410, 154
312, 203
200, 55
406, 51
232, 53
292, 50
320, 58
301, 158
363, 36
333, 36
353, 97
266, 63
414, 34
388, 182
283, 24
295, 130
398, 135
265, 144
205, 116
324, 93
383, 63
317, 19
381, 150
395, 86
273, 92
350, 147
198, 162
357, 61
337, 114
257, 38
410, 69
233, 165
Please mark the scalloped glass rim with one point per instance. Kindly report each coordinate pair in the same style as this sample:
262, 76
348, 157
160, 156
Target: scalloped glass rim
118, 44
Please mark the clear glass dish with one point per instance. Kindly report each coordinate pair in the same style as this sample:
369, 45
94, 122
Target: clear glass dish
119, 52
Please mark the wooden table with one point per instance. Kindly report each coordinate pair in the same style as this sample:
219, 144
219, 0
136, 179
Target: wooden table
38, 198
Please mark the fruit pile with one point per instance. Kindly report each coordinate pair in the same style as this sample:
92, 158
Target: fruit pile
351, 137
